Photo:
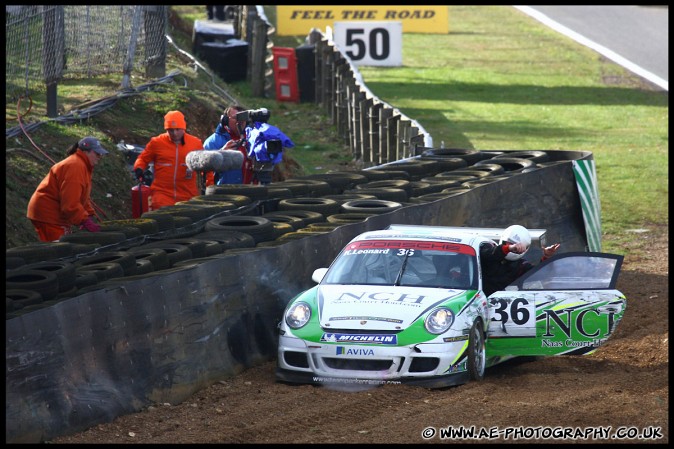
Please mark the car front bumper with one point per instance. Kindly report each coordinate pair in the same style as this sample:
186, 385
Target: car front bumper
432, 365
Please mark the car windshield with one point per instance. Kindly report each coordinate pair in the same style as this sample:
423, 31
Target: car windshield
405, 263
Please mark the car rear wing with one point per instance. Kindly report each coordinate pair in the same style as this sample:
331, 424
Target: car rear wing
537, 235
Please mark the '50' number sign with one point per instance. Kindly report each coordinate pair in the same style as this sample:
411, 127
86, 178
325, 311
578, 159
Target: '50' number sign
371, 43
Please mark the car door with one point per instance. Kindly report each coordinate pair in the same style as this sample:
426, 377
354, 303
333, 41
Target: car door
566, 305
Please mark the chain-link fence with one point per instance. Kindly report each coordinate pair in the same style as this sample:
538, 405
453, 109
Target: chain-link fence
45, 44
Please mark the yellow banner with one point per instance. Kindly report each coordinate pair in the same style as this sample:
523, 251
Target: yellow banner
299, 20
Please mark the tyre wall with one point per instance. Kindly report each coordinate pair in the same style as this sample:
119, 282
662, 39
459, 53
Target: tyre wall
161, 338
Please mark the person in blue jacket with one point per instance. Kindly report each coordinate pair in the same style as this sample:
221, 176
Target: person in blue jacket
227, 136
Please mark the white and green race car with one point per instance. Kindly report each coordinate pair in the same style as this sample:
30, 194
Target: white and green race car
405, 305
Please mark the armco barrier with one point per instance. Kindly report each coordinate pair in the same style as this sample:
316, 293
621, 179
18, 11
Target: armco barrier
161, 338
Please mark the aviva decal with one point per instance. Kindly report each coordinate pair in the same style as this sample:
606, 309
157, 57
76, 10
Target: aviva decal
341, 350
586, 181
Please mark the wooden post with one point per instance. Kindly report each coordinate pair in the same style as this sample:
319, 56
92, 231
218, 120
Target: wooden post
384, 114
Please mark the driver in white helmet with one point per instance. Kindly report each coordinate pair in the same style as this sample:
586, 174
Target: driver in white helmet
504, 262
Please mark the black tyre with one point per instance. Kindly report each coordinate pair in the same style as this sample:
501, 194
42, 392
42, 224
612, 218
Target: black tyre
213, 247
144, 225
259, 228
321, 227
82, 249
44, 282
346, 218
128, 231
481, 170
14, 262
437, 184
164, 221
32, 253
174, 251
379, 175
124, 258
296, 188
228, 239
254, 192
383, 193
105, 270
402, 184
180, 221
463, 177
102, 238
344, 197
315, 187
238, 200
294, 222
535, 156
470, 156
280, 192
392, 173
208, 209
281, 228
143, 266
370, 206
421, 188
444, 163
483, 181
18, 298
65, 272
194, 213
233, 251
85, 278
512, 164
324, 206
298, 235
307, 216
156, 256
417, 168
354, 178
476, 352
197, 246
338, 181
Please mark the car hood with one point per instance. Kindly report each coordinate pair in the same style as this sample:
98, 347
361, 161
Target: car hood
370, 307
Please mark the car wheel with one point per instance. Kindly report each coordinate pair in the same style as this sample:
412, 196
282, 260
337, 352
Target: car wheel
476, 352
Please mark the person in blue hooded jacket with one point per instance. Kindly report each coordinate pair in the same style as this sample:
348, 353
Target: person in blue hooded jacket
227, 136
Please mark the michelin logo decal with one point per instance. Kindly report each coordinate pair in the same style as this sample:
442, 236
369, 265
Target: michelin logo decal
361, 338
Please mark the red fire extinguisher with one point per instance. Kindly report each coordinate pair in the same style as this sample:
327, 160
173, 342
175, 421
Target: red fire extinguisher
140, 200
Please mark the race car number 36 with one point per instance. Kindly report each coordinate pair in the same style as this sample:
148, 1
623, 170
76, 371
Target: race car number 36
513, 315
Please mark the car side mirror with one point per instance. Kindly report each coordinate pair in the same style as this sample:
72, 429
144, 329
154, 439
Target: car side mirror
319, 274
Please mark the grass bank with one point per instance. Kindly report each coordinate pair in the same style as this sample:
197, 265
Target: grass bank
501, 80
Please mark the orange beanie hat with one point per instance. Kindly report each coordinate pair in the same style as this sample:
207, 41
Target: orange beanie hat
174, 119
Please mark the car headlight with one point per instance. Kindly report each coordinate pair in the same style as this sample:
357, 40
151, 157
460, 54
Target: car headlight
439, 320
298, 315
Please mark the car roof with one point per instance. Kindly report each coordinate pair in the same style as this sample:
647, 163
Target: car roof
459, 234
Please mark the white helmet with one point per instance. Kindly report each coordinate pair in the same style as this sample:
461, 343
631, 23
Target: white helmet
515, 234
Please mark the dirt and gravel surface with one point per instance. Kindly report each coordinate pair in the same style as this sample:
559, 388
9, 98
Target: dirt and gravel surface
625, 384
